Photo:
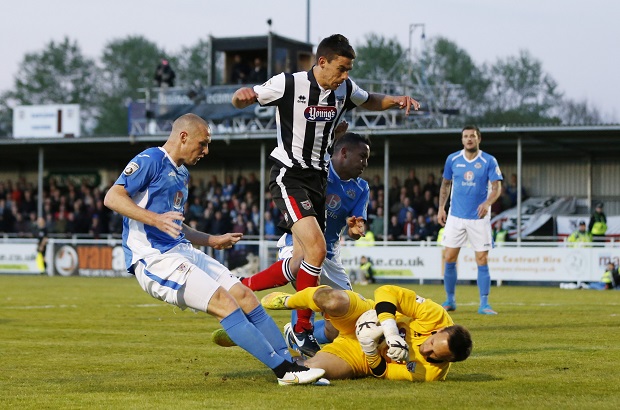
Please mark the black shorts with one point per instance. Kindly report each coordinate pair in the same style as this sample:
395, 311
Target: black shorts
298, 193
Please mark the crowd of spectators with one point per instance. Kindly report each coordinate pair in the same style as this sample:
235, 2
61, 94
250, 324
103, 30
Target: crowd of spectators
214, 206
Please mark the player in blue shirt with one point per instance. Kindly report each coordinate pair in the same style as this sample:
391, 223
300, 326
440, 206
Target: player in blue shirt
467, 176
151, 194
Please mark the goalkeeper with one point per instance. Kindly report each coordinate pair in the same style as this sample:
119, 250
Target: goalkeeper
421, 340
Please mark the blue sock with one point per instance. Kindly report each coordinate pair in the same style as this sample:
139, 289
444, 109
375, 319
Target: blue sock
449, 280
319, 332
246, 336
484, 284
265, 324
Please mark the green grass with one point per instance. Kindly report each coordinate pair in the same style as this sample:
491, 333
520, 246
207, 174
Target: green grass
102, 343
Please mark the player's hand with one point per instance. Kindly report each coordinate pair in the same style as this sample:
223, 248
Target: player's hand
441, 217
340, 129
225, 241
369, 332
406, 102
244, 97
398, 349
167, 223
483, 210
356, 225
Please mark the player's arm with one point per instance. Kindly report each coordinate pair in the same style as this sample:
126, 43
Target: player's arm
381, 102
117, 199
225, 241
244, 97
496, 192
444, 194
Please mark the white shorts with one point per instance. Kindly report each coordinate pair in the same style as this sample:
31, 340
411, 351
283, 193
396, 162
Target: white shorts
459, 231
333, 273
184, 277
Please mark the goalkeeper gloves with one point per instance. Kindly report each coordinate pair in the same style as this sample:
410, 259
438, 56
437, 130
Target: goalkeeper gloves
398, 350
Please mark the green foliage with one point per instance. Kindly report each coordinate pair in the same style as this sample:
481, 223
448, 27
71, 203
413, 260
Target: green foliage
58, 74
522, 91
193, 63
378, 57
444, 61
128, 65
102, 343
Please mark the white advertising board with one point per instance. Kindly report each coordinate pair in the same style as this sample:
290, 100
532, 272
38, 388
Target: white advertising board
46, 121
19, 258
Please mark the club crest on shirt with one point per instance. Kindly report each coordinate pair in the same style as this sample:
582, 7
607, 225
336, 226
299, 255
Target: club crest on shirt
182, 268
478, 165
317, 113
131, 168
411, 366
351, 193
306, 205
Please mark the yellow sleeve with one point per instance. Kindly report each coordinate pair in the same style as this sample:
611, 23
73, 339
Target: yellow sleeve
405, 301
412, 371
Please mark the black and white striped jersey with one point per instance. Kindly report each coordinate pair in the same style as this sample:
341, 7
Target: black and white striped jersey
306, 116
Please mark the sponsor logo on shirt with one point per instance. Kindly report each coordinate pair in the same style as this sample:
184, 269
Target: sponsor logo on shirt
302, 99
497, 171
333, 202
468, 179
178, 199
316, 113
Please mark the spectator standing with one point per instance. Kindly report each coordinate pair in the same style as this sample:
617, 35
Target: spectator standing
240, 71
598, 222
164, 74
466, 179
258, 74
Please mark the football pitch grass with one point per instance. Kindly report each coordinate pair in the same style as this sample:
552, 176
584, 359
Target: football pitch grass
102, 343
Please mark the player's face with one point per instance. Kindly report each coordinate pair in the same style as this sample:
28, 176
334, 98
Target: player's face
471, 140
198, 145
335, 72
436, 347
355, 161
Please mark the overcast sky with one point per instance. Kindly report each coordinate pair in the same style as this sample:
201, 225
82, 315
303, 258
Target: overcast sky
578, 42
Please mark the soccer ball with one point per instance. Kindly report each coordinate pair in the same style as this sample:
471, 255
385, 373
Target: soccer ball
368, 327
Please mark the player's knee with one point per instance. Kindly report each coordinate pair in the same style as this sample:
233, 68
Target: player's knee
244, 296
222, 304
331, 301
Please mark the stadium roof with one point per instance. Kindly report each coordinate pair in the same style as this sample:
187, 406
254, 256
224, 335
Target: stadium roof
538, 143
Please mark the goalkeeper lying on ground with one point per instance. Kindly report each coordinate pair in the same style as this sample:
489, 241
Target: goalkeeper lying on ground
405, 318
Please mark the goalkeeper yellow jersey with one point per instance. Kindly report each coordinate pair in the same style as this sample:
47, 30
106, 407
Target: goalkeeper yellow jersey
417, 318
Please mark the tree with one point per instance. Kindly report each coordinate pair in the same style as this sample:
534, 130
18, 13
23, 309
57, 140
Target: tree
521, 92
379, 59
128, 65
59, 74
193, 63
579, 113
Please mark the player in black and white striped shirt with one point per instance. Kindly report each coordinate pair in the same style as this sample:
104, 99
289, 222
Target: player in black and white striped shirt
310, 108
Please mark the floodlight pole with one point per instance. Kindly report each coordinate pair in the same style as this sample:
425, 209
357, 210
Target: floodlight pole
412, 28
